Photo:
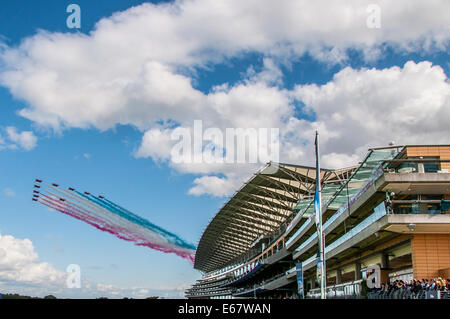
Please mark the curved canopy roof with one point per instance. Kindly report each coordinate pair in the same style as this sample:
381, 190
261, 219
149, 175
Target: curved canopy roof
260, 207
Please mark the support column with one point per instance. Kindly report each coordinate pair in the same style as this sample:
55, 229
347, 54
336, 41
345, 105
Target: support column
358, 270
384, 260
385, 270
338, 276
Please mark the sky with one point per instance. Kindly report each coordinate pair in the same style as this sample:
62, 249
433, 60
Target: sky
95, 108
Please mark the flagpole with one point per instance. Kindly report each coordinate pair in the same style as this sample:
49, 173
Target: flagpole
321, 236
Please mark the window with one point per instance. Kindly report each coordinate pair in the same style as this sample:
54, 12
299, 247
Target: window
426, 167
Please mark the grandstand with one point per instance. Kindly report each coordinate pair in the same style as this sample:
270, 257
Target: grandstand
391, 210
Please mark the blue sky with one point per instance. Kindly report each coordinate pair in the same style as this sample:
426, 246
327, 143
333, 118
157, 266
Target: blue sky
302, 83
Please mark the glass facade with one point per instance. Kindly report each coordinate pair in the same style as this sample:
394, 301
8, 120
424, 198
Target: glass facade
335, 196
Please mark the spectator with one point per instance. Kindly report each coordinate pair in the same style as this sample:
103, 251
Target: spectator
412, 288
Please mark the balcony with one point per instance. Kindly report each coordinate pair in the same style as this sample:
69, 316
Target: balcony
432, 207
416, 165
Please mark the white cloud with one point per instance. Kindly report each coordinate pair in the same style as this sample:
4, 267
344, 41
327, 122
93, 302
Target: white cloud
356, 110
114, 291
157, 144
26, 139
132, 70
142, 292
19, 263
125, 70
9, 192
22, 272
339, 160
369, 107
214, 185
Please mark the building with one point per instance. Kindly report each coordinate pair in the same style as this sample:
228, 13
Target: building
392, 210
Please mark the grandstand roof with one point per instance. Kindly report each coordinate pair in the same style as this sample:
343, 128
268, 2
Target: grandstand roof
260, 207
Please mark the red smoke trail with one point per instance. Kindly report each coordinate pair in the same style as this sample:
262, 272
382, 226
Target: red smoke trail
76, 216
97, 223
119, 232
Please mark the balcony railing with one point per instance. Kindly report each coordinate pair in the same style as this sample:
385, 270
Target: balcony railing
432, 207
349, 290
407, 166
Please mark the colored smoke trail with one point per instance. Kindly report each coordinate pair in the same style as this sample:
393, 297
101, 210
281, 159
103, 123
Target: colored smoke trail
109, 217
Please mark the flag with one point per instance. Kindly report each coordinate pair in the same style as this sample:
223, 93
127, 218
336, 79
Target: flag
317, 195
317, 204
318, 217
300, 289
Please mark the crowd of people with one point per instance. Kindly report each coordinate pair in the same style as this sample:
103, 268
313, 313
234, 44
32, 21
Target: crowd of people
414, 287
